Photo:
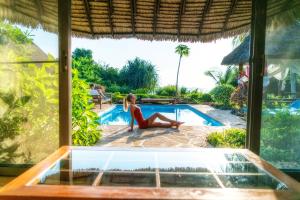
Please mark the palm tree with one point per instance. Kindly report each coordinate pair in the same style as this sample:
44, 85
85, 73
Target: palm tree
229, 77
182, 50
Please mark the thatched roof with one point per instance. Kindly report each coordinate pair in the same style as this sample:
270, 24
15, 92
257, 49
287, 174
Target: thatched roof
280, 44
240, 55
183, 20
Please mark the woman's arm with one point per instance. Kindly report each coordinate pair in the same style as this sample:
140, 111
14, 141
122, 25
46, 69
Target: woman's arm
132, 118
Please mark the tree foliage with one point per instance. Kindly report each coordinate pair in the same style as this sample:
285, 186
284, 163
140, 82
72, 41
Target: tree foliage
12, 34
39, 84
82, 53
84, 120
11, 123
221, 94
88, 69
183, 51
139, 73
228, 78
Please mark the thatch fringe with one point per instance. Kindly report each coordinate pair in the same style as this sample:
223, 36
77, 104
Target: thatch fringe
175, 20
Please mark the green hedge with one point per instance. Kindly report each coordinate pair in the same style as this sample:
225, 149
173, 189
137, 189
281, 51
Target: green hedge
221, 94
198, 97
233, 138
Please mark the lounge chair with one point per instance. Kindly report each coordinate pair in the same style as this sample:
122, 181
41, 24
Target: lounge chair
158, 100
100, 97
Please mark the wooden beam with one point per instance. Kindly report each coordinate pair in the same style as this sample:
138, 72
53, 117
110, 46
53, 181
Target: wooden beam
65, 85
133, 14
181, 11
257, 66
110, 12
231, 10
204, 13
88, 15
156, 11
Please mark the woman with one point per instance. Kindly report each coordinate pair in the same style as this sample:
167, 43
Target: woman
136, 114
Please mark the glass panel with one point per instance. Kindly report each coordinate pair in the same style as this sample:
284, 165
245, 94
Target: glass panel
29, 81
280, 130
188, 180
128, 168
251, 182
69, 178
128, 179
236, 168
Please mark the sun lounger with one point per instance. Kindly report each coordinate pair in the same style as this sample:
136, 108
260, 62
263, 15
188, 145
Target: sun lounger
99, 97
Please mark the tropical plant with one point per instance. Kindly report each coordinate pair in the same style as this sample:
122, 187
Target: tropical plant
88, 69
221, 94
169, 90
139, 73
182, 50
82, 53
233, 138
198, 97
280, 138
228, 78
40, 82
84, 120
11, 123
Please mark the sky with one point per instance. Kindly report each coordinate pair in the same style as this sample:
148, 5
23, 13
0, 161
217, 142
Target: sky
116, 53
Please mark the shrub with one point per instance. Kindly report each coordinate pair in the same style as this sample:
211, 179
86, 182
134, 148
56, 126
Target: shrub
84, 120
198, 97
206, 97
169, 90
234, 138
221, 94
280, 138
116, 88
184, 91
117, 97
140, 91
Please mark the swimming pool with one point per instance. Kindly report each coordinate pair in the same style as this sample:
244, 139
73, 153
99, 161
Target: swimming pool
185, 113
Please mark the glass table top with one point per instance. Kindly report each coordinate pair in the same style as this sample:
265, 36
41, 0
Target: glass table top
138, 168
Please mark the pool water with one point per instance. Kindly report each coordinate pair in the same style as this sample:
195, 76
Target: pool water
185, 113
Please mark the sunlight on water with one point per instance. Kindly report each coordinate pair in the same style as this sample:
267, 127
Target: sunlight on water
185, 113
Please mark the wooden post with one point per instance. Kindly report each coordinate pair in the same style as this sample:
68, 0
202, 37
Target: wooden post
65, 104
257, 65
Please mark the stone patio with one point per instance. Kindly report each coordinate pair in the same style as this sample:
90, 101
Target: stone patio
185, 136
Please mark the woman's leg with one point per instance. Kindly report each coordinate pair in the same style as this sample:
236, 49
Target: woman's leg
152, 118
160, 125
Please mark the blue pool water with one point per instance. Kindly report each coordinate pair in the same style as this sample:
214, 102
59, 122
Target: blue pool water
185, 113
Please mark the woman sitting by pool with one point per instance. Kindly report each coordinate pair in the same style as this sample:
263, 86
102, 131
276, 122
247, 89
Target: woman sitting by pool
136, 114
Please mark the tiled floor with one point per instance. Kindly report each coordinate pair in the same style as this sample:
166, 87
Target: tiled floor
185, 136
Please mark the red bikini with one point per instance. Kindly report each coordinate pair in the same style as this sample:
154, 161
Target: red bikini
140, 119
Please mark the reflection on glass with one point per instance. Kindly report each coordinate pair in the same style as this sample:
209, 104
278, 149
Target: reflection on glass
138, 168
131, 166
280, 129
69, 178
188, 180
236, 168
251, 182
182, 167
236, 157
29, 83
128, 179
